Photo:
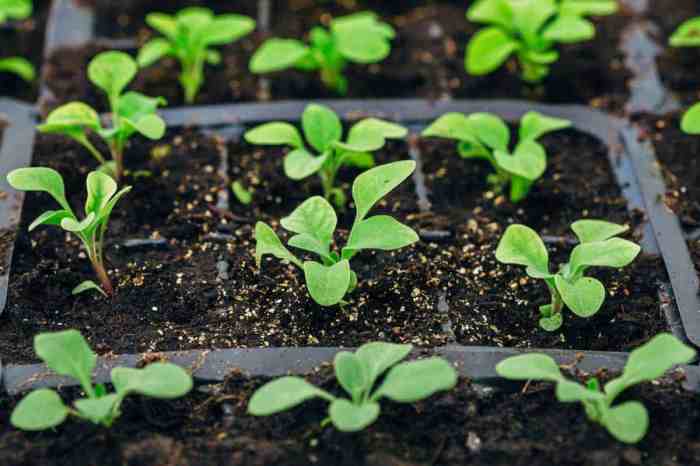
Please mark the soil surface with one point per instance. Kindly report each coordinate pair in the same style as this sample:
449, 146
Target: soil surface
193, 283
427, 60
24, 39
465, 426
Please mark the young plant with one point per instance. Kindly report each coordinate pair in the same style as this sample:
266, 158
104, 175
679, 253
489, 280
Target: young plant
629, 421
530, 29
569, 287
189, 36
323, 132
16, 10
68, 354
357, 373
359, 38
132, 112
486, 136
102, 196
314, 222
688, 35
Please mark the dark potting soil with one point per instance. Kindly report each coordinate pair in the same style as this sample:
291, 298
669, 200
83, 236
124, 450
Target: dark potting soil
24, 39
462, 427
427, 60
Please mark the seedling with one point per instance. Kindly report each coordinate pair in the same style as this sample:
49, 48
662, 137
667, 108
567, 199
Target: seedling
314, 222
529, 29
102, 196
16, 10
323, 132
359, 38
688, 35
189, 36
629, 421
486, 136
68, 354
357, 373
568, 287
132, 112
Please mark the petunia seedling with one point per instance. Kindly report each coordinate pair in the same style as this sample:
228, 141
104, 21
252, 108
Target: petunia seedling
132, 112
189, 37
16, 10
628, 422
530, 29
102, 196
323, 132
313, 224
358, 38
357, 373
688, 35
486, 136
68, 354
599, 247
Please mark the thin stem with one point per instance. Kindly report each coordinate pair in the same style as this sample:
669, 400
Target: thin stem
99, 268
95, 153
117, 150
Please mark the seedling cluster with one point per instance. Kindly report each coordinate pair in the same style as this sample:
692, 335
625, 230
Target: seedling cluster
13, 10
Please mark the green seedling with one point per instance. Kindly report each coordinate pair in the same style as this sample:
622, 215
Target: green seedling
102, 196
132, 112
359, 38
188, 37
16, 10
688, 35
530, 29
314, 223
68, 354
244, 196
323, 132
357, 373
486, 136
569, 287
629, 421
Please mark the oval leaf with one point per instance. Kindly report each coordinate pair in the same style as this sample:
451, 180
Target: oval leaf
521, 245
112, 71
372, 185
529, 160
691, 120
157, 380
66, 353
349, 417
321, 126
299, 164
377, 357
327, 285
283, 394
488, 50
381, 232
534, 125
529, 367
351, 374
614, 252
277, 54
627, 422
276, 133
40, 410
315, 217
412, 381
584, 297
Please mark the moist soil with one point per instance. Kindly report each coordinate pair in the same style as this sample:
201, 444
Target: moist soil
427, 61
24, 39
194, 283
465, 426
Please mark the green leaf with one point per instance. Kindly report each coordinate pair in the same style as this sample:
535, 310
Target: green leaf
363, 160
490, 130
530, 367
614, 252
276, 133
39, 179
687, 34
521, 245
372, 185
530, 15
152, 51
588, 231
100, 189
321, 126
283, 394
584, 297
243, 195
107, 210
412, 381
134, 105
70, 118
569, 29
627, 422
327, 285
588, 7
349, 417
491, 12
66, 353
267, 242
157, 380
378, 357
165, 24
315, 217
112, 71
381, 232
74, 226
15, 9
551, 323
88, 285
386, 129
351, 374
19, 66
528, 161
300, 163
50, 217
534, 125
225, 29
98, 410
362, 38
690, 123
40, 410
488, 50
310, 243
452, 125
568, 391
151, 126
278, 54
